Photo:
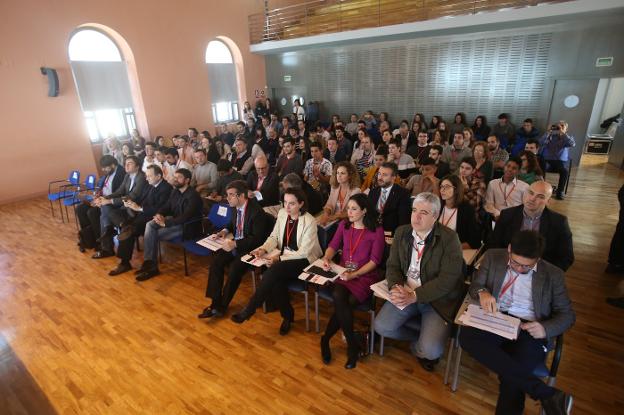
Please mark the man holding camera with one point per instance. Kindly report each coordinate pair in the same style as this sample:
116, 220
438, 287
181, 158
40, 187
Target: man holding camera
555, 144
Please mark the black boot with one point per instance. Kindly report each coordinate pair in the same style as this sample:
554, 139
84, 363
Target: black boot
325, 350
353, 354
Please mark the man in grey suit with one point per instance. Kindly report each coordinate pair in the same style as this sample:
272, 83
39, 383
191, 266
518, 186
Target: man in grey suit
517, 282
425, 276
131, 189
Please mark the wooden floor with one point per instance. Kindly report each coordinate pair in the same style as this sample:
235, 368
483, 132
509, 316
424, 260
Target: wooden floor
92, 344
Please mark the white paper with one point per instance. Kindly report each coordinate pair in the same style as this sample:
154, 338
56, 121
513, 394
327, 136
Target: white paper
328, 224
380, 289
222, 211
259, 262
319, 279
258, 195
213, 242
498, 323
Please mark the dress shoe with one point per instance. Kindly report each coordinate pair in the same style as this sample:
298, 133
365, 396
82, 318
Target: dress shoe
121, 268
210, 312
102, 254
81, 248
285, 327
144, 267
241, 316
126, 232
146, 275
353, 354
427, 364
325, 350
558, 404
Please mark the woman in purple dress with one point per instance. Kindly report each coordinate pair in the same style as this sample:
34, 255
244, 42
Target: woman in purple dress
362, 242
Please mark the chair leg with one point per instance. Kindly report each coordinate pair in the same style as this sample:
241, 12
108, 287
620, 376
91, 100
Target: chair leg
185, 263
381, 345
316, 311
372, 332
449, 361
51, 209
61, 211
76, 218
307, 310
456, 371
253, 280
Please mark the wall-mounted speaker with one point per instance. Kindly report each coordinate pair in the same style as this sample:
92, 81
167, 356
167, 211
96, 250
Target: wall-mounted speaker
53, 82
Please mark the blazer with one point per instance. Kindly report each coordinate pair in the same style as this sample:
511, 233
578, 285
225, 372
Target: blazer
181, 208
153, 198
441, 268
468, 229
554, 228
257, 225
340, 155
124, 190
120, 173
269, 188
307, 238
551, 303
397, 210
333, 197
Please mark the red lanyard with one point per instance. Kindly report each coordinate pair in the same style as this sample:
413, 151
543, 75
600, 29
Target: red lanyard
419, 252
341, 200
352, 247
106, 181
505, 196
289, 230
449, 219
241, 218
509, 283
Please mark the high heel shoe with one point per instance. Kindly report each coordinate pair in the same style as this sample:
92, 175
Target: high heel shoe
244, 314
353, 354
325, 350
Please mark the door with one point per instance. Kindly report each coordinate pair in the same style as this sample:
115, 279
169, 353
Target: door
573, 101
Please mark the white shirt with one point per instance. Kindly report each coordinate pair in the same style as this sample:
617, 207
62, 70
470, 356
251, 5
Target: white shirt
386, 191
518, 299
503, 195
108, 184
147, 163
413, 273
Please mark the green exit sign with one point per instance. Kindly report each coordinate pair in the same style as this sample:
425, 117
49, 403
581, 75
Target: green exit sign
604, 61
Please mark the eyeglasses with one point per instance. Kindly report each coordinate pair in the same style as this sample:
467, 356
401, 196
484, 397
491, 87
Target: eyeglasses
446, 187
523, 267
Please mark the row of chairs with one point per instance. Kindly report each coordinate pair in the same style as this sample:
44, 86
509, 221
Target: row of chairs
70, 192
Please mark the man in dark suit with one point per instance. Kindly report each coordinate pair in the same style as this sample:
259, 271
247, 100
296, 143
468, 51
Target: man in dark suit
131, 188
263, 183
88, 213
138, 213
251, 226
184, 205
518, 282
534, 215
391, 200
334, 152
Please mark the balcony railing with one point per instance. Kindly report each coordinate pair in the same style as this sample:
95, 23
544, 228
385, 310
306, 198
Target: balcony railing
330, 16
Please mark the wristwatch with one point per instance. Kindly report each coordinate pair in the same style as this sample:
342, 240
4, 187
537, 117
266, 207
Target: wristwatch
480, 290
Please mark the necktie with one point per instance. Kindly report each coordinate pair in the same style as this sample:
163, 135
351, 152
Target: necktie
382, 199
239, 224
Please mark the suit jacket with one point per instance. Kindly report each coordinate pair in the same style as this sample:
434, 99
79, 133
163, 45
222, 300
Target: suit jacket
257, 226
551, 303
307, 238
443, 170
120, 173
397, 210
181, 208
340, 155
441, 268
553, 227
154, 198
269, 188
124, 190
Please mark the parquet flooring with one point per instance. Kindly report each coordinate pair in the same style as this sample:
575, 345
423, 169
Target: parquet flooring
94, 344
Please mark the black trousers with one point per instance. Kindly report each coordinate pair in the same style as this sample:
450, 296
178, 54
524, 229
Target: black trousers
342, 318
513, 361
561, 167
89, 220
274, 285
616, 251
220, 294
126, 247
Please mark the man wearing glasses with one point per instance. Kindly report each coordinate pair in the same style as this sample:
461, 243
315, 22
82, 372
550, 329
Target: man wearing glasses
517, 282
534, 215
425, 277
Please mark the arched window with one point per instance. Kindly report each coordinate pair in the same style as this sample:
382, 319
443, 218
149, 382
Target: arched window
101, 78
223, 82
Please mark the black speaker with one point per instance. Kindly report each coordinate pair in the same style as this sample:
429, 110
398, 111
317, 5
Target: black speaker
53, 82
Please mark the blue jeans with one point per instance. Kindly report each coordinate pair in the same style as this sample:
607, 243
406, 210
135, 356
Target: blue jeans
154, 233
428, 342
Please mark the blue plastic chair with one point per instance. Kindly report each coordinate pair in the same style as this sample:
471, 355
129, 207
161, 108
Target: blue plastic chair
81, 193
218, 221
61, 189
